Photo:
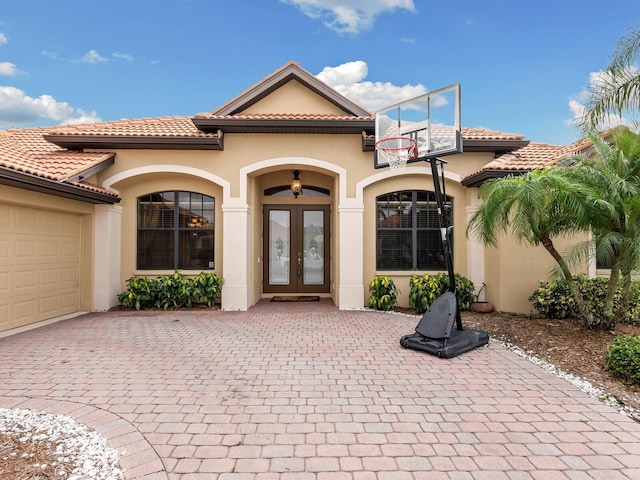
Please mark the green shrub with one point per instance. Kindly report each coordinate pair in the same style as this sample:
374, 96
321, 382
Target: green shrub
142, 292
424, 289
464, 290
383, 293
623, 359
207, 288
171, 291
174, 291
553, 299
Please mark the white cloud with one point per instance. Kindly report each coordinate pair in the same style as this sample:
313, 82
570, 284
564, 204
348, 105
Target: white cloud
348, 79
18, 110
51, 55
93, 57
122, 56
8, 69
349, 16
577, 102
3, 38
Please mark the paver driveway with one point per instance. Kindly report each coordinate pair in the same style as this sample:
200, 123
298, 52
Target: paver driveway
305, 391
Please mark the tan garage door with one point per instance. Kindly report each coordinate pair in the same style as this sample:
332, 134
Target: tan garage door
39, 265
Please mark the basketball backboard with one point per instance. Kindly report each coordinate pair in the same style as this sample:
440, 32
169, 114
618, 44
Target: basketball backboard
431, 119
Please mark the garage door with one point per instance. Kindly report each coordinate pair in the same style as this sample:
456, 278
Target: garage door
39, 265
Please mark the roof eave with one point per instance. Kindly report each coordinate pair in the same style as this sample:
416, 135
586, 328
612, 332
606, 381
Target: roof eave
92, 170
493, 145
261, 125
35, 183
79, 142
477, 179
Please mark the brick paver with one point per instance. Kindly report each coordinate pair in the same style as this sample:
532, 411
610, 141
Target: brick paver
303, 391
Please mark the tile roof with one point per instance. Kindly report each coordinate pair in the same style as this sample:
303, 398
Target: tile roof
26, 151
484, 134
534, 155
169, 126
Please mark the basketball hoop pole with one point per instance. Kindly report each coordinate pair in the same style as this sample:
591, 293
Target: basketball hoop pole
445, 231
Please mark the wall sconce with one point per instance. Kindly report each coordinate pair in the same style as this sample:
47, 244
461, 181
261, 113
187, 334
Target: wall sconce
296, 184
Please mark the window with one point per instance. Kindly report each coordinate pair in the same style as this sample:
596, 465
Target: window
175, 231
408, 231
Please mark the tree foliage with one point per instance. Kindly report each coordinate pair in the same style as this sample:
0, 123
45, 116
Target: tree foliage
618, 87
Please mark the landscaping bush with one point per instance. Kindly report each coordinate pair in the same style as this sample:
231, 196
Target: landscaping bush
141, 293
424, 289
171, 291
383, 293
623, 359
207, 288
553, 299
174, 291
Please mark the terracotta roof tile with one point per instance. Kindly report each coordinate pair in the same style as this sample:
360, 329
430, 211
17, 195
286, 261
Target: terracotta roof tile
172, 126
26, 151
534, 155
484, 134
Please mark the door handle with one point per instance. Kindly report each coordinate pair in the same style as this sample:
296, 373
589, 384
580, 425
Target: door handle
299, 264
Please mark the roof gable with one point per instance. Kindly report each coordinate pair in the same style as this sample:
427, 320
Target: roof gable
289, 72
293, 98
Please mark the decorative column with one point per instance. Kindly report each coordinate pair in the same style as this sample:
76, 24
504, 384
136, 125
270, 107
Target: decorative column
236, 255
107, 239
351, 251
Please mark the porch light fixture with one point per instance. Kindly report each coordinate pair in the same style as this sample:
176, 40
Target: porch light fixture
296, 184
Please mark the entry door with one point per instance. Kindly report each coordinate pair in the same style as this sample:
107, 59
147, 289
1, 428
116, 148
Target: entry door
296, 249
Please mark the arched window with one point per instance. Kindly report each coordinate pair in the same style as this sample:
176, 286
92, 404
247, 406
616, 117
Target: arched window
176, 231
408, 231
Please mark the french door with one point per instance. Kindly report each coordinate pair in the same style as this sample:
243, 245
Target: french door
296, 249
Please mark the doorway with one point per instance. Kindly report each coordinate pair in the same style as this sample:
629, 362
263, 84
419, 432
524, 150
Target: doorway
296, 249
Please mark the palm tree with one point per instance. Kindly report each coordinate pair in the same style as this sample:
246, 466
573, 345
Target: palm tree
535, 208
609, 182
619, 88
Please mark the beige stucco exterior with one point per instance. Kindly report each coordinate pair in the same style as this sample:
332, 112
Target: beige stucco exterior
238, 176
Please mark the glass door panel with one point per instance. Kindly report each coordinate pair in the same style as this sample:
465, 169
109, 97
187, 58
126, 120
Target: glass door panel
279, 247
313, 225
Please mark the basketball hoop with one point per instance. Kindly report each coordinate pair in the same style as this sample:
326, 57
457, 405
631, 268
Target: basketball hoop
397, 151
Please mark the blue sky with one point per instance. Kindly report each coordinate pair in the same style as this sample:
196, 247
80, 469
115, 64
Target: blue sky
524, 67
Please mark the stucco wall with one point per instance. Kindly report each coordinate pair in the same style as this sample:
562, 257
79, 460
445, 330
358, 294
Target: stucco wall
513, 271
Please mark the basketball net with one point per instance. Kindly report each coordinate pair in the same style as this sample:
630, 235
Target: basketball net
397, 151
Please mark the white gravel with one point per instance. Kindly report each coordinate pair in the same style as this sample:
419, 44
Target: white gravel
79, 449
